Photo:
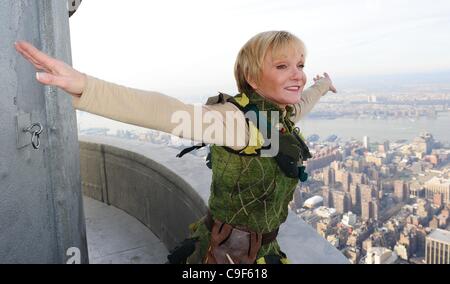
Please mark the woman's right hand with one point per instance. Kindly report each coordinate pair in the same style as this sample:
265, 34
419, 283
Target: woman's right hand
56, 72
326, 77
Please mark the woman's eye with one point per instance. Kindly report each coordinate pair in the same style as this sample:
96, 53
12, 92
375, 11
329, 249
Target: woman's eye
282, 66
301, 66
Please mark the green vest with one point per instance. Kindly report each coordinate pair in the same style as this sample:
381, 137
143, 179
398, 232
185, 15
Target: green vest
250, 190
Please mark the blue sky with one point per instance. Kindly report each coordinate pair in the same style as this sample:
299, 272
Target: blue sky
187, 47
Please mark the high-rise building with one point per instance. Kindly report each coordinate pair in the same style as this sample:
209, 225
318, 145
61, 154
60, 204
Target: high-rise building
353, 254
336, 165
401, 191
437, 200
402, 251
434, 223
438, 185
375, 209
416, 189
420, 237
323, 229
437, 248
384, 148
357, 166
386, 145
346, 181
329, 176
355, 197
367, 192
423, 210
322, 160
327, 198
359, 178
408, 240
370, 209
341, 201
377, 160
365, 209
424, 143
349, 219
380, 255
366, 142
374, 174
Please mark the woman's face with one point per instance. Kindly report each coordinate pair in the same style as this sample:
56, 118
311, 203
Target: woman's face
282, 79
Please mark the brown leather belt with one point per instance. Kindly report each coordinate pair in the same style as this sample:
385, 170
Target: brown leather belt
266, 237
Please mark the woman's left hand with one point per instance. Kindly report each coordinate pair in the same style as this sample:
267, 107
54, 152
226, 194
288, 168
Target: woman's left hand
326, 77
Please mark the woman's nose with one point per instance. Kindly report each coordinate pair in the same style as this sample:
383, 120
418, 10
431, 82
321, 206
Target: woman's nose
298, 74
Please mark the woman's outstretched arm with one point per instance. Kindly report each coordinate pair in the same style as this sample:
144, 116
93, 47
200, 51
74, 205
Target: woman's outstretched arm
311, 96
221, 124
205, 123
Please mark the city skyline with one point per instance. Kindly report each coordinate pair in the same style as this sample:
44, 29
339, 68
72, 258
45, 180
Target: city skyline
397, 193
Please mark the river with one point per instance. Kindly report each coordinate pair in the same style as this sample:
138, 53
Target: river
379, 130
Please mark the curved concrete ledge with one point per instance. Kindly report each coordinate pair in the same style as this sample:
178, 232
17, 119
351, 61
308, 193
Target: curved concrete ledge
143, 188
167, 194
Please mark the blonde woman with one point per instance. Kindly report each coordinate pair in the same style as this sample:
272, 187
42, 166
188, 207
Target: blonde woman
250, 190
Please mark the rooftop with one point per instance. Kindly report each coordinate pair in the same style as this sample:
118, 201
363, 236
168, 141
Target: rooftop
440, 235
115, 237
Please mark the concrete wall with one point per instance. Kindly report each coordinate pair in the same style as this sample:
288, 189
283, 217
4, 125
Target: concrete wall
41, 213
143, 188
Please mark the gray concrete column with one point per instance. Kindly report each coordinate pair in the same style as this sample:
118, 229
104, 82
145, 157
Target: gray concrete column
41, 209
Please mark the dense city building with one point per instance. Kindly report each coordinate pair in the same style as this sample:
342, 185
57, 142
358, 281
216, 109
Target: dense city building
438, 247
382, 205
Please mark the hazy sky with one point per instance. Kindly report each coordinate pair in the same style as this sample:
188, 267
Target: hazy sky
189, 47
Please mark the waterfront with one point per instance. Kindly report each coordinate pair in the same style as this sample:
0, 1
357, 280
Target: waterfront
379, 130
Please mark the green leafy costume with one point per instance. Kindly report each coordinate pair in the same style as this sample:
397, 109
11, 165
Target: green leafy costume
250, 191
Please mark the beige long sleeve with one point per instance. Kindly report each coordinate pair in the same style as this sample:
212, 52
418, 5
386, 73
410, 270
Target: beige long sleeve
221, 124
309, 98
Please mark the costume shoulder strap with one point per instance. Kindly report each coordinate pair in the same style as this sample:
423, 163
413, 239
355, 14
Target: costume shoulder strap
221, 98
242, 102
255, 139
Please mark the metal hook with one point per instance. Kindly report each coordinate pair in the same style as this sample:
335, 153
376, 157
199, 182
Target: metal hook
34, 134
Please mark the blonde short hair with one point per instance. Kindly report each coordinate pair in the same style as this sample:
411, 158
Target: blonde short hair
250, 59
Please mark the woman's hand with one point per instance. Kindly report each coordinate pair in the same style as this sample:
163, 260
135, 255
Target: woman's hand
56, 73
318, 77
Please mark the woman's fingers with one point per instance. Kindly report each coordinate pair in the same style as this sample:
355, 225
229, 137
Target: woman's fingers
36, 64
333, 89
35, 55
327, 77
50, 79
318, 77
57, 73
